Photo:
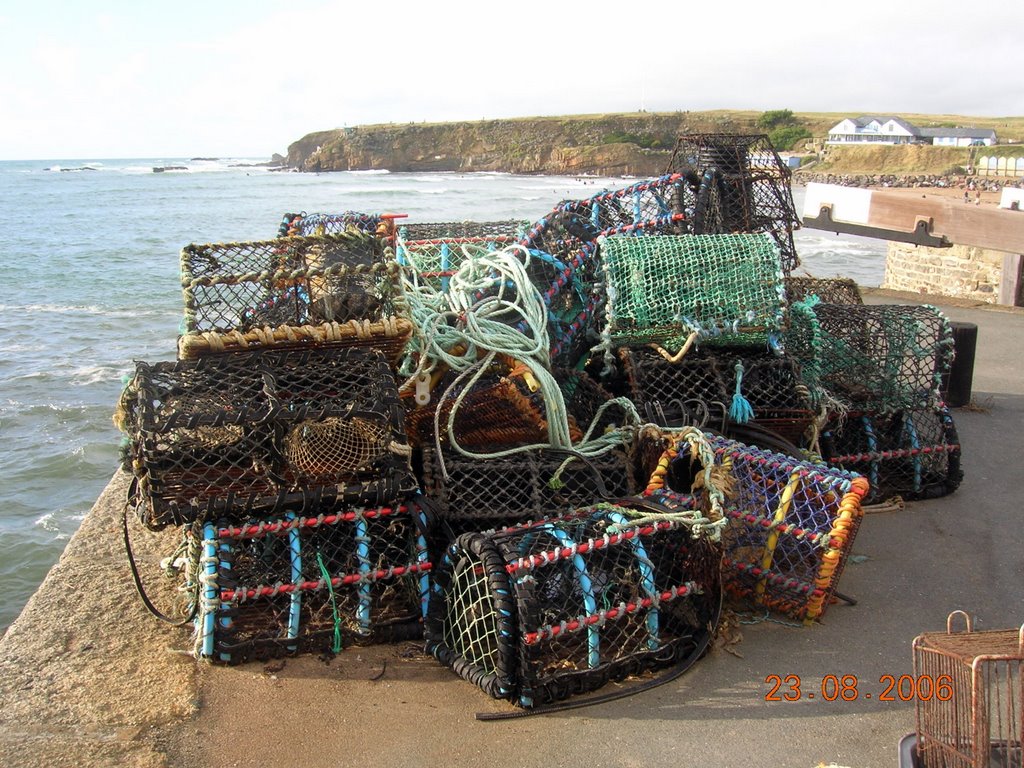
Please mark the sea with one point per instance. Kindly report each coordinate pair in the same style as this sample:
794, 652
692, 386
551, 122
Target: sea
92, 284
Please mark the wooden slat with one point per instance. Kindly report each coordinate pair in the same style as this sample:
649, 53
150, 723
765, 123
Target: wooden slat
961, 223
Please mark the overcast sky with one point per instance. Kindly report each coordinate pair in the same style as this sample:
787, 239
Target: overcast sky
245, 78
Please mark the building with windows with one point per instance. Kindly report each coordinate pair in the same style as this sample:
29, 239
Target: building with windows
874, 129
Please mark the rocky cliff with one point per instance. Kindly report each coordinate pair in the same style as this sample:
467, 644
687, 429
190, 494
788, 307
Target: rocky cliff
636, 144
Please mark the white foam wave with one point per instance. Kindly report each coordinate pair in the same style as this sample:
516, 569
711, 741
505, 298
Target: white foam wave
94, 374
371, 172
83, 309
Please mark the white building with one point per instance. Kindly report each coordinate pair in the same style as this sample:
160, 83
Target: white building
871, 129
874, 129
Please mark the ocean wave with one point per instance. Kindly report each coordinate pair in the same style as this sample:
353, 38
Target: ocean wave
95, 374
86, 309
371, 172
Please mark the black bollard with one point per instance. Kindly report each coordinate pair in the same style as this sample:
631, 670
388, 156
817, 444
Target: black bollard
956, 385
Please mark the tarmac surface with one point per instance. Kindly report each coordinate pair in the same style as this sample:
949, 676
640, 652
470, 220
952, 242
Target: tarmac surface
88, 678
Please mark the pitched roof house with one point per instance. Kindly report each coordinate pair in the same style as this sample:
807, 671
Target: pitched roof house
872, 129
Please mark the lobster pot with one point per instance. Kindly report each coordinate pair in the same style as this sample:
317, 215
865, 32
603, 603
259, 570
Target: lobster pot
497, 411
311, 584
524, 486
969, 697
662, 289
653, 206
537, 613
502, 409
497, 231
252, 433
871, 358
432, 263
336, 290
912, 453
743, 187
790, 525
829, 290
310, 224
699, 388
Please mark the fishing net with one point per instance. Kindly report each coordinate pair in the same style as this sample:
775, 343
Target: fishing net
337, 289
742, 184
538, 613
498, 411
662, 289
504, 408
523, 486
870, 358
911, 453
432, 263
307, 224
315, 583
829, 290
698, 389
235, 434
790, 528
648, 207
498, 231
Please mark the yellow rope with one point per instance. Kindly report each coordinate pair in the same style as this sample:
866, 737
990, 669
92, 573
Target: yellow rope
773, 538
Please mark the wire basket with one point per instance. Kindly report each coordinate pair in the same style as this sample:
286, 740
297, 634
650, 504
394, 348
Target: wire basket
912, 453
541, 612
697, 389
523, 486
829, 290
310, 584
968, 689
791, 524
336, 290
254, 432
308, 224
662, 289
747, 183
871, 358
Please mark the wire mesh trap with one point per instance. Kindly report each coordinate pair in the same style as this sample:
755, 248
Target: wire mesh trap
791, 524
746, 184
309, 224
870, 358
662, 289
317, 583
697, 389
968, 689
238, 433
433, 262
829, 290
497, 231
912, 453
520, 487
538, 613
337, 289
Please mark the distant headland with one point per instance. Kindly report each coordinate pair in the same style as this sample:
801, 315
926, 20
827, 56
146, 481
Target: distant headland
624, 144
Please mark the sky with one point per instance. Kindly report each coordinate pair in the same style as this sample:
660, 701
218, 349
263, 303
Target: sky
245, 78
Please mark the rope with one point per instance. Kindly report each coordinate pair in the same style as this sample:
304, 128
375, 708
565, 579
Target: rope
466, 334
336, 644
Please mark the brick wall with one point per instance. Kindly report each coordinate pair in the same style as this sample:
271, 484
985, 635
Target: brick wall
962, 271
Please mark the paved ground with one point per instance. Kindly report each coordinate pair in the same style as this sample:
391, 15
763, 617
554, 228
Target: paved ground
130, 699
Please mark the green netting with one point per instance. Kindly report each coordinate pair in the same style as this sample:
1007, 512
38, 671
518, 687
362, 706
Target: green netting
662, 289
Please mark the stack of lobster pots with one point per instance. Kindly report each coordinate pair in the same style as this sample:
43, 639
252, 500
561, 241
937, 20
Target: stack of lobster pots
551, 449
276, 443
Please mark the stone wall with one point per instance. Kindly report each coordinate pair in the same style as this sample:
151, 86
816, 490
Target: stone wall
963, 271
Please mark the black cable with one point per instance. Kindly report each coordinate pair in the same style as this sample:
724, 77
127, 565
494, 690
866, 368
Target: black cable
133, 566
